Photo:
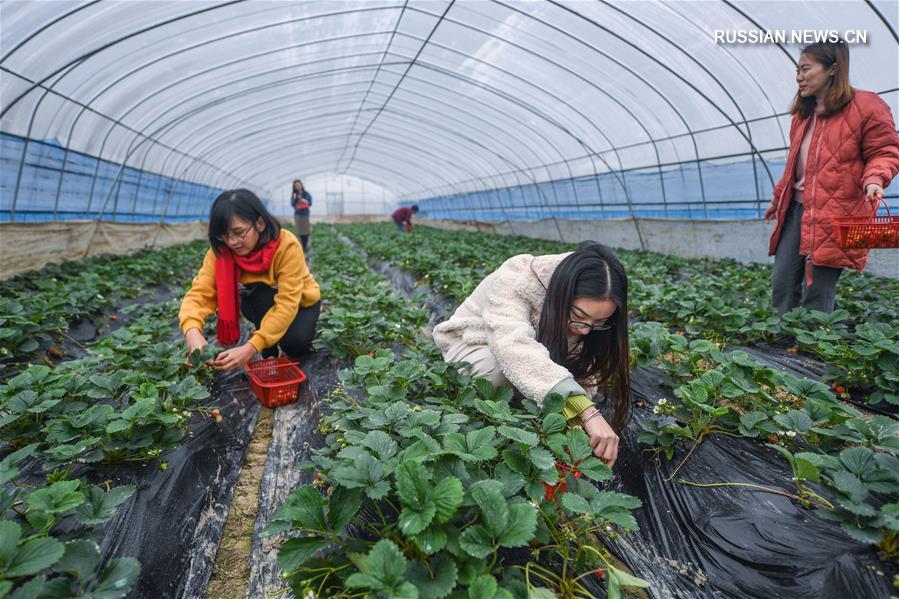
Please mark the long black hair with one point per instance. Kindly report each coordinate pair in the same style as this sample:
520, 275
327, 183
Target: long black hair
244, 204
593, 271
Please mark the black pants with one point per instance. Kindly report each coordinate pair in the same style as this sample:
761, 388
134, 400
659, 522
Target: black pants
297, 341
788, 282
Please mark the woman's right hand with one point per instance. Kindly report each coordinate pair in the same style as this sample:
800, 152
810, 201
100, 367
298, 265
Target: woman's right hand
603, 439
195, 340
771, 212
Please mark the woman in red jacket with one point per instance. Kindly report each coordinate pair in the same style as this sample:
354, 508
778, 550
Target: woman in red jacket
843, 153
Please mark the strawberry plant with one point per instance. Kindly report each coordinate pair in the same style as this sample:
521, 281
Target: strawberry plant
435, 487
46, 548
697, 415
83, 412
38, 307
804, 471
862, 481
354, 323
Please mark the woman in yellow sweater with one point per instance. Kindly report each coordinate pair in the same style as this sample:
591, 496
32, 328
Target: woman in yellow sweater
256, 268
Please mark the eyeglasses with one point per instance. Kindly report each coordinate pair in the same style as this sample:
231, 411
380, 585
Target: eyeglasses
237, 236
585, 327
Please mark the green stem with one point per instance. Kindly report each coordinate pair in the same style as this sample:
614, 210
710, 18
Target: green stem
549, 575
543, 577
600, 555
380, 513
492, 562
72, 339
687, 457
805, 491
722, 431
753, 486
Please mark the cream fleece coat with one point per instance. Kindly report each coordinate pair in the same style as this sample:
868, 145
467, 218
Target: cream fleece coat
503, 313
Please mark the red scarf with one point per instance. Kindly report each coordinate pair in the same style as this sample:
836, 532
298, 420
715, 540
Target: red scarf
228, 267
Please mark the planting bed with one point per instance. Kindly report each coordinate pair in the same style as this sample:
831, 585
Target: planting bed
717, 539
760, 461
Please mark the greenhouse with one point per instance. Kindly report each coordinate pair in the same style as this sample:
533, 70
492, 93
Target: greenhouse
481, 299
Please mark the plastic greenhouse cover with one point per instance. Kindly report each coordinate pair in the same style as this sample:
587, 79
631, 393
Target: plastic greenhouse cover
632, 83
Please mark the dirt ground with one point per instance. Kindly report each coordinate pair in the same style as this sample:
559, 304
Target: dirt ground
232, 562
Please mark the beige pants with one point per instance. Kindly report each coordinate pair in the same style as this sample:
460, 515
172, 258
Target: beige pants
483, 363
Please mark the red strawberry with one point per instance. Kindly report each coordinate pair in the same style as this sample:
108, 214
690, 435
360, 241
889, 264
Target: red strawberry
550, 491
839, 389
773, 438
54, 351
600, 572
113, 318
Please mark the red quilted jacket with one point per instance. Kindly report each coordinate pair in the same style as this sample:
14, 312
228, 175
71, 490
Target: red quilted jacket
848, 150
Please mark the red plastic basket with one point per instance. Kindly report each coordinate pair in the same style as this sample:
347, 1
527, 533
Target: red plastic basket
867, 233
275, 381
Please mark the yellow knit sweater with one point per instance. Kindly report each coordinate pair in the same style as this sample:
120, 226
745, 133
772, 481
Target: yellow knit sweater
296, 289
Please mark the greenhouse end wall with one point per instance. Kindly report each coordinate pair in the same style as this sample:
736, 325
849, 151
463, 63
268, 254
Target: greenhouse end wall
741, 239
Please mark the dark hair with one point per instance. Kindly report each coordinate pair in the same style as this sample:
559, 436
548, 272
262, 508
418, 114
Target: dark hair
293, 186
837, 92
591, 271
244, 204
414, 207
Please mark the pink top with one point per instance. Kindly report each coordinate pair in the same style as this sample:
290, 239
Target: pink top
802, 159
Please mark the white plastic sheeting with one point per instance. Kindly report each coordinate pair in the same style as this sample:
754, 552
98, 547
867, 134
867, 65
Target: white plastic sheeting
422, 97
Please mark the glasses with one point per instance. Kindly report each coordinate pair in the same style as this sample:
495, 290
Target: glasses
585, 327
236, 236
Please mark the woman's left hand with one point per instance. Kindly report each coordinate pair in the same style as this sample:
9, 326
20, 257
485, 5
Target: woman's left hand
234, 358
873, 192
603, 439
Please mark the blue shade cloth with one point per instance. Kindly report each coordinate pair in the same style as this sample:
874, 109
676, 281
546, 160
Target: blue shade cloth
602, 196
46, 192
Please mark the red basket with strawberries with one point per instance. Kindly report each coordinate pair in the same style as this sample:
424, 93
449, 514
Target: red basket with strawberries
867, 233
275, 381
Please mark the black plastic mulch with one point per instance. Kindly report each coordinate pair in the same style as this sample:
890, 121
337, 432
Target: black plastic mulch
295, 434
174, 521
731, 541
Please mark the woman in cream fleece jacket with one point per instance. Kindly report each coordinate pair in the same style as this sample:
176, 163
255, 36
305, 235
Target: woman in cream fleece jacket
551, 324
